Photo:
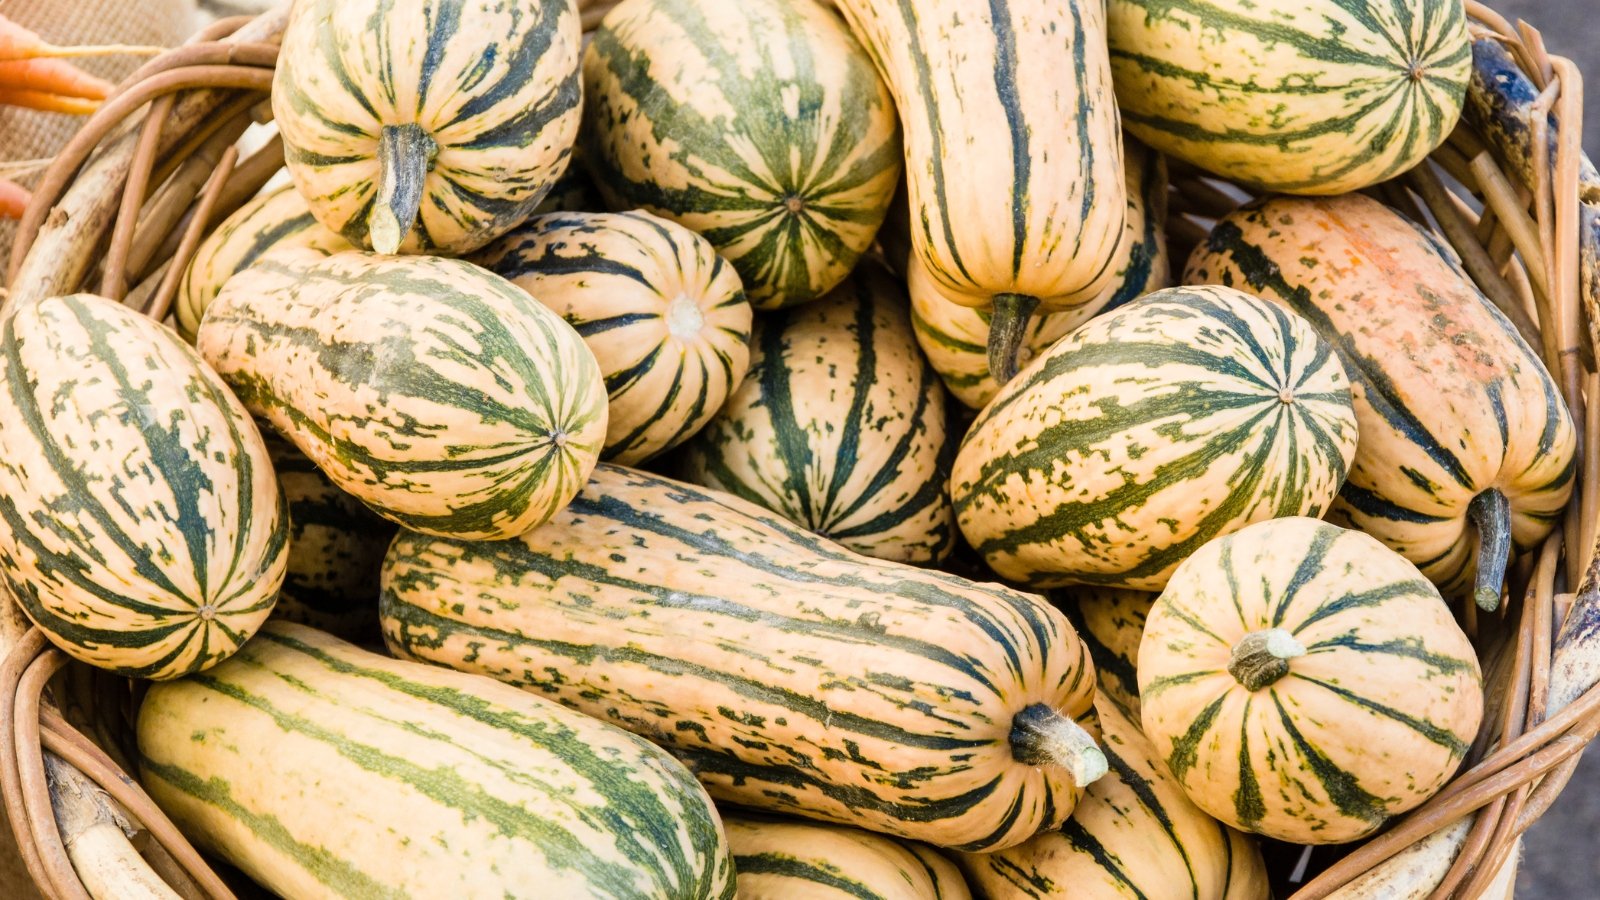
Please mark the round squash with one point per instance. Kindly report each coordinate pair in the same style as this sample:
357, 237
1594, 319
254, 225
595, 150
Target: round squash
840, 427
760, 124
1466, 445
427, 125
1307, 683
664, 315
1305, 96
1182, 416
1111, 623
787, 860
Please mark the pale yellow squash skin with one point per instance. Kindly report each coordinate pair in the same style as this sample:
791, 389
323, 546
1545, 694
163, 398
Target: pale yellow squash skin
1111, 623
788, 860
1134, 834
1369, 720
664, 315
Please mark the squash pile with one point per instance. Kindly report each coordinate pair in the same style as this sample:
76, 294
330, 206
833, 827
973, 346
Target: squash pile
640, 398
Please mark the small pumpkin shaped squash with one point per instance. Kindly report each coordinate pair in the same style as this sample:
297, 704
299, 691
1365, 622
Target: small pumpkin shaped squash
1111, 623
1466, 445
1015, 181
427, 125
1305, 682
664, 315
840, 427
1150, 430
141, 527
780, 859
437, 393
276, 219
955, 337
1134, 834
760, 124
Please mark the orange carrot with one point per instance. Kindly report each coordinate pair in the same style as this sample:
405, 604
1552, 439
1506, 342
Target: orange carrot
52, 76
39, 100
13, 199
17, 42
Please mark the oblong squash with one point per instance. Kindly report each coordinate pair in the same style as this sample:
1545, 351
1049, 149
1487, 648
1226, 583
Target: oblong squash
1149, 431
760, 124
664, 315
1334, 692
785, 860
1111, 623
141, 527
439, 394
788, 673
325, 771
1317, 97
955, 338
427, 125
1015, 185
840, 427
1466, 443
1134, 835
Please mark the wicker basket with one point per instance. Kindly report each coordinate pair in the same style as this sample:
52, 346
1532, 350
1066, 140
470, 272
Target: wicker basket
124, 205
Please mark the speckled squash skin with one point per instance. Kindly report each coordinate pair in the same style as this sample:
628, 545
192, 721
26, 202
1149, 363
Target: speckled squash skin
781, 859
1111, 623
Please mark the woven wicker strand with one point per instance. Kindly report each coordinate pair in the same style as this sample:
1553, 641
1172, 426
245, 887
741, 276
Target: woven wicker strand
160, 155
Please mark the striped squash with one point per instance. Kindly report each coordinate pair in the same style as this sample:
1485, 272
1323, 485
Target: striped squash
278, 218
1134, 835
788, 673
1334, 693
1110, 621
438, 394
572, 191
840, 427
665, 317
1016, 189
427, 125
1149, 431
786, 860
140, 525
760, 124
1466, 446
1306, 96
336, 549
956, 337
325, 771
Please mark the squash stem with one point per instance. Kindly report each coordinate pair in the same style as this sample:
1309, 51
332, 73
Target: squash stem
1008, 325
1042, 736
1262, 657
405, 154
1490, 511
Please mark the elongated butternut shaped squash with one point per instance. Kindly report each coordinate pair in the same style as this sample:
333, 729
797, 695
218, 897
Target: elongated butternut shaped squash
788, 673
141, 527
325, 771
1304, 682
1182, 416
788, 860
760, 124
1466, 446
427, 125
840, 427
1134, 835
663, 314
439, 394
1111, 623
1014, 150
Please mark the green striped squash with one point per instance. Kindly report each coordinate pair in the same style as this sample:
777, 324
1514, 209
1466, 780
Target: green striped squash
440, 395
1307, 96
1332, 693
664, 315
336, 549
760, 124
427, 125
325, 771
840, 427
572, 191
956, 337
278, 218
1111, 622
785, 860
1016, 189
140, 525
1182, 416
1466, 445
788, 673
1134, 835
